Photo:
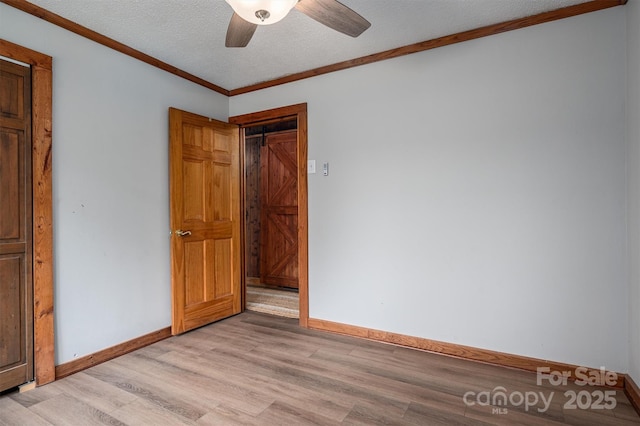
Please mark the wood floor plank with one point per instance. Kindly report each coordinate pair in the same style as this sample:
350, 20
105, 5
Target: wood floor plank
146, 388
290, 328
171, 382
624, 409
12, 413
363, 415
227, 389
280, 413
411, 359
193, 343
272, 389
388, 384
228, 416
510, 416
438, 414
66, 410
335, 388
255, 369
445, 384
596, 417
27, 399
206, 388
93, 392
143, 412
264, 365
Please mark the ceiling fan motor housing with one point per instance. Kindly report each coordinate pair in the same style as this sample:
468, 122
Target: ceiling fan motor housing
262, 14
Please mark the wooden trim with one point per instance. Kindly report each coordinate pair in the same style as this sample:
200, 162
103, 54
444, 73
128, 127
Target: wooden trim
43, 225
244, 280
450, 349
23, 54
303, 221
632, 391
489, 30
486, 31
41, 76
109, 42
274, 115
269, 116
88, 361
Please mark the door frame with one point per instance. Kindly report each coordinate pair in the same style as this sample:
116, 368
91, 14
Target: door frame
299, 111
41, 102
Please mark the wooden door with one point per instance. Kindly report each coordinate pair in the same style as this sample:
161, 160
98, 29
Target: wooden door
205, 220
16, 287
279, 210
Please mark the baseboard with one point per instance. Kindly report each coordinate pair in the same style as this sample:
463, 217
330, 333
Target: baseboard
458, 351
632, 391
77, 365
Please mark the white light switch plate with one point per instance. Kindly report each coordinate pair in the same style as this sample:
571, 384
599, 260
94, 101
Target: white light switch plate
311, 166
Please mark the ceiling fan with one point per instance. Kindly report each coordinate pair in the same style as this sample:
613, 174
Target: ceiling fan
248, 14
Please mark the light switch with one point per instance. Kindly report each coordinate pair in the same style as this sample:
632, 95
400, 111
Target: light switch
311, 166
325, 169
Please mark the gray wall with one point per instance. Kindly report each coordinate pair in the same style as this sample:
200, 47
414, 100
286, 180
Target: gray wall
633, 167
476, 192
110, 185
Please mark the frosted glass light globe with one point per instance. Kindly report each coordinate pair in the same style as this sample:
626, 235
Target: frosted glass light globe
253, 10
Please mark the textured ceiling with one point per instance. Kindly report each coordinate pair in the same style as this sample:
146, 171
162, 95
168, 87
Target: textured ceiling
190, 34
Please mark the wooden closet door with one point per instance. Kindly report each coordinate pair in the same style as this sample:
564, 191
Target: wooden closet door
16, 288
279, 210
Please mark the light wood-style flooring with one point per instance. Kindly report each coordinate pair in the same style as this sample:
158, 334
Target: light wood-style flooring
258, 369
273, 300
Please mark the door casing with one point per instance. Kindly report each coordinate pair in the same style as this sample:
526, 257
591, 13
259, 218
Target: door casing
41, 102
298, 111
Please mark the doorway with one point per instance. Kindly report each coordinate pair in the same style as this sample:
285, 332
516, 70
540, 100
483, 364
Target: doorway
271, 212
274, 146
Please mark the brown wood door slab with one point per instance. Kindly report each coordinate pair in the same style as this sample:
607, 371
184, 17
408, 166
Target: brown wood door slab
279, 210
205, 220
16, 287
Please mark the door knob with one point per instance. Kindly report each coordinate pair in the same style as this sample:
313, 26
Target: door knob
183, 233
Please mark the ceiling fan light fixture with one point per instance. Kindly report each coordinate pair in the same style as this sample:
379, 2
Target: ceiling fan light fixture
262, 12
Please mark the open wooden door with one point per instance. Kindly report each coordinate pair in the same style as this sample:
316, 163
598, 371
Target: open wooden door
205, 220
16, 285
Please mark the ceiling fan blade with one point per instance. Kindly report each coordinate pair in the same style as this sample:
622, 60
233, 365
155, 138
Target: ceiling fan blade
239, 32
334, 15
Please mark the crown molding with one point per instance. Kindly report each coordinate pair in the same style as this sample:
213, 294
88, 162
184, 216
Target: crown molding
514, 24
